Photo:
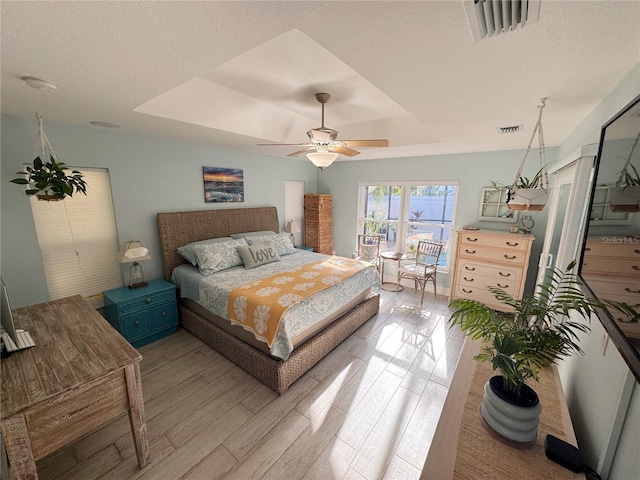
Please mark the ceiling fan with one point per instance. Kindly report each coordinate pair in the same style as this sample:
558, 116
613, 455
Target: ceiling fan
324, 147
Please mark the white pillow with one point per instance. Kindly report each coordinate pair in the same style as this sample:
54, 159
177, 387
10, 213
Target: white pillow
190, 255
213, 257
281, 241
258, 254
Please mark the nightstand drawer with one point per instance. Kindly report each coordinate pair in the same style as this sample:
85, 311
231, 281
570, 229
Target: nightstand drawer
147, 301
136, 326
164, 316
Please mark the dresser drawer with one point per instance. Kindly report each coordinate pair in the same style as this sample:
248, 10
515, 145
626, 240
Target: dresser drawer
489, 254
147, 301
504, 243
480, 295
611, 266
618, 290
507, 272
472, 280
613, 246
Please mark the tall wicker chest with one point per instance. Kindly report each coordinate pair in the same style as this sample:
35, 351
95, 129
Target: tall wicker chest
318, 225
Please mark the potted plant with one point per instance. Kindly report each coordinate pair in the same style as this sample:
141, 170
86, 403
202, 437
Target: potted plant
528, 194
520, 344
49, 181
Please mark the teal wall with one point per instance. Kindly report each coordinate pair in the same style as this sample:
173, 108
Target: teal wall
148, 175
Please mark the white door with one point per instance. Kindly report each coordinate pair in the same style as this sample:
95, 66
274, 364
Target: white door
567, 211
294, 207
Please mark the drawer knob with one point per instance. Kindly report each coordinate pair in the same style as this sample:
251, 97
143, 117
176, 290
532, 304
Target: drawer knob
631, 291
137, 323
468, 279
504, 274
503, 286
469, 251
472, 239
635, 267
148, 300
636, 251
513, 244
466, 291
471, 269
510, 257
164, 314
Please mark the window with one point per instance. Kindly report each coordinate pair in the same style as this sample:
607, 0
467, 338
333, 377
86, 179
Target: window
78, 240
405, 213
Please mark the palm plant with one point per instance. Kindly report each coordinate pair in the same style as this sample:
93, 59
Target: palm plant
521, 343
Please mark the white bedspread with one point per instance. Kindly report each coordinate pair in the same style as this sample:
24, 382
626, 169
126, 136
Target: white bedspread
212, 292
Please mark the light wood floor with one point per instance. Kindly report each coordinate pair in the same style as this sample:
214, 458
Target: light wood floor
368, 410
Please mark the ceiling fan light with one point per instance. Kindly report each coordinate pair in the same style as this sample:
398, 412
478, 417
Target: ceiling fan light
322, 159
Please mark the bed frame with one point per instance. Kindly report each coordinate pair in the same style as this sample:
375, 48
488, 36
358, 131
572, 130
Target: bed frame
180, 228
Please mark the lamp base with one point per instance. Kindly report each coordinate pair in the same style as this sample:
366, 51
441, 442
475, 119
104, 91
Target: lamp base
138, 285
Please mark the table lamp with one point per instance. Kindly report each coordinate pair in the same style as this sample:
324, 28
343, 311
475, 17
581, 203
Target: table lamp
292, 228
133, 251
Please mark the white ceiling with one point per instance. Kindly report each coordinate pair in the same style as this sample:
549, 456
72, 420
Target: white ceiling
235, 74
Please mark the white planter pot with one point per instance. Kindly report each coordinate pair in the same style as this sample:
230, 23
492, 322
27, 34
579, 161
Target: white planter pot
513, 423
529, 199
627, 200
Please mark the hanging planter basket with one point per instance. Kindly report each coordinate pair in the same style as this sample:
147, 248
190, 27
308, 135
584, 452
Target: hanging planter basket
627, 200
525, 195
47, 178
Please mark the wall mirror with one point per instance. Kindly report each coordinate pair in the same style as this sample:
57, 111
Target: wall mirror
610, 261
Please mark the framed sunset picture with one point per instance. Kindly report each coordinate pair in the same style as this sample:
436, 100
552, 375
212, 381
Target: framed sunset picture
223, 185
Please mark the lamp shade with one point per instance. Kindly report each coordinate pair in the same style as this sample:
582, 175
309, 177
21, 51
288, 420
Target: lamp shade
322, 159
292, 227
132, 251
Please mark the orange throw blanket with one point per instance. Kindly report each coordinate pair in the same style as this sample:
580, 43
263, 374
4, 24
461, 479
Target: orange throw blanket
259, 306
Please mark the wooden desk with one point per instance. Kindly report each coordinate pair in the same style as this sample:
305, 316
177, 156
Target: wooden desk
463, 449
80, 375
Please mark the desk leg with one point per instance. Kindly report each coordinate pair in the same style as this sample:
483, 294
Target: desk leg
18, 446
136, 413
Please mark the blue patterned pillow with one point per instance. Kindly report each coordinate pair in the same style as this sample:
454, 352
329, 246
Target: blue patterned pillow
282, 242
214, 257
188, 252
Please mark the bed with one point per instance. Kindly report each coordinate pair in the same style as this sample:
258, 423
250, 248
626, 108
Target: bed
177, 229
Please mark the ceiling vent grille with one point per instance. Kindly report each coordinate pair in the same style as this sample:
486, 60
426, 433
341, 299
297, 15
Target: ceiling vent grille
510, 129
493, 17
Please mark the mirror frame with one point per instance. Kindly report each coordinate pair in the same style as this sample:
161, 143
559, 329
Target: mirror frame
622, 343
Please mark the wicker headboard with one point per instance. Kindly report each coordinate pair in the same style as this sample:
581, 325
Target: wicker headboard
180, 228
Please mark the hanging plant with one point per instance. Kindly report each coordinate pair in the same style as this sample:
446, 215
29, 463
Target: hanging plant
525, 194
625, 196
49, 181
46, 177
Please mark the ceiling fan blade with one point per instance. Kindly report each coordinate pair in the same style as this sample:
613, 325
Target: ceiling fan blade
382, 142
344, 151
284, 144
304, 150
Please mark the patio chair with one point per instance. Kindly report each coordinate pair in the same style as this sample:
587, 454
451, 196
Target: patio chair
369, 249
425, 267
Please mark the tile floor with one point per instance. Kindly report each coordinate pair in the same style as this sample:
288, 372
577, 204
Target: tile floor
366, 411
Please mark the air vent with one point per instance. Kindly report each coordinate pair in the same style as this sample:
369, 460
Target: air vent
493, 17
510, 129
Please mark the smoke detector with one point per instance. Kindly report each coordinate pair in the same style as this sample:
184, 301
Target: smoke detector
40, 84
493, 17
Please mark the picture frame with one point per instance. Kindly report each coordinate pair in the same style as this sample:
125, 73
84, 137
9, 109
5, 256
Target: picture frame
223, 185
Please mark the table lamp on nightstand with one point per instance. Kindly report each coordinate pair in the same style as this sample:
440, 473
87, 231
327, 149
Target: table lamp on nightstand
133, 251
292, 228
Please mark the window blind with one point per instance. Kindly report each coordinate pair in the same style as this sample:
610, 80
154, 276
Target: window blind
78, 239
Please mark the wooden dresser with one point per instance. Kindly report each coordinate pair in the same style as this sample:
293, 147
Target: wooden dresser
318, 223
490, 258
611, 267
80, 375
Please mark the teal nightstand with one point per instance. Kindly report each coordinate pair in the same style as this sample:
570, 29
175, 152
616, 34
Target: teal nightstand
308, 249
143, 315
